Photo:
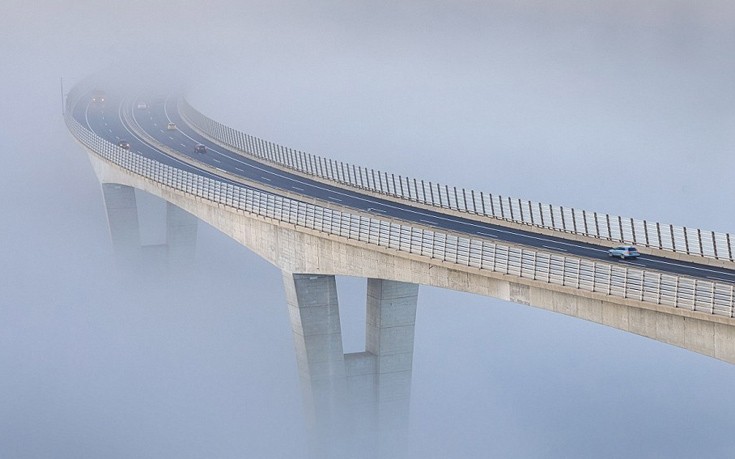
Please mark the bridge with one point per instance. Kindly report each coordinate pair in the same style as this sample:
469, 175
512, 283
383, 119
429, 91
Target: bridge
316, 218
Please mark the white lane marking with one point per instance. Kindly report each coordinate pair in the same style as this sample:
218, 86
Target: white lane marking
216, 160
265, 178
487, 234
719, 279
554, 248
334, 199
435, 216
237, 168
373, 209
182, 145
171, 137
439, 217
297, 188
429, 222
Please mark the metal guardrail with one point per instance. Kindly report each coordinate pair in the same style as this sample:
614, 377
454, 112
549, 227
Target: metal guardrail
577, 273
691, 241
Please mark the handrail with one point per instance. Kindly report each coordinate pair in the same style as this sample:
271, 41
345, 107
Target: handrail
566, 220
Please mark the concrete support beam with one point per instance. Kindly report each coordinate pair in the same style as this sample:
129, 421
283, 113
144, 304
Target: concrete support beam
314, 314
122, 218
359, 400
181, 237
389, 336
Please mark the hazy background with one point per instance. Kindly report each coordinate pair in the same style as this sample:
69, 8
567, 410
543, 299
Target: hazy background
541, 100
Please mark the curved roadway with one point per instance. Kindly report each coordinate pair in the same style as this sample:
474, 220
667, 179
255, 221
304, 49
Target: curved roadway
107, 120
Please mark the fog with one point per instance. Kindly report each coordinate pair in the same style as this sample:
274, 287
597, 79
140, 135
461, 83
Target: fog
611, 106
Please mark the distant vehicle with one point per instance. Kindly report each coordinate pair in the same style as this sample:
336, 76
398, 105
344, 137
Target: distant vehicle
171, 126
200, 148
624, 251
123, 144
98, 96
142, 105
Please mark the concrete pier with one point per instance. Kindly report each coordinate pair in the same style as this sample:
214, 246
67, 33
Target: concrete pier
181, 238
122, 216
359, 401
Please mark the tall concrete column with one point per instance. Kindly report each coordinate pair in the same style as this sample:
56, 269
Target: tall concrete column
122, 218
356, 404
314, 314
389, 336
181, 237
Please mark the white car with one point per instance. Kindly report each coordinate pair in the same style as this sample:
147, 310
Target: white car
624, 251
171, 126
142, 105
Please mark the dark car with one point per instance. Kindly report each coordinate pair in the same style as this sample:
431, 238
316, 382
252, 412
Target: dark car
124, 144
200, 148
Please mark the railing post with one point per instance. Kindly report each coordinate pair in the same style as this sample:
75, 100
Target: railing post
541, 213
714, 245
551, 212
530, 211
632, 229
673, 240
699, 237
510, 207
694, 296
594, 276
563, 220
520, 211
